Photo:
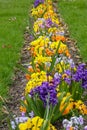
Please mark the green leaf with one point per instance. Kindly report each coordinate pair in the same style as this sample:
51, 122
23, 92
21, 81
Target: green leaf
27, 106
40, 107
33, 105
54, 58
57, 113
45, 125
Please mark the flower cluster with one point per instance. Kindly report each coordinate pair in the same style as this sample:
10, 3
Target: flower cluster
27, 123
75, 123
55, 87
34, 123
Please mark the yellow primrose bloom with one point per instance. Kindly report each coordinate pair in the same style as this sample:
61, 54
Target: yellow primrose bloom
54, 20
41, 41
81, 106
52, 29
39, 46
37, 41
37, 25
62, 47
42, 59
54, 45
38, 11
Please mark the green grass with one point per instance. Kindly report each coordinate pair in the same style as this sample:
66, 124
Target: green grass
74, 13
14, 17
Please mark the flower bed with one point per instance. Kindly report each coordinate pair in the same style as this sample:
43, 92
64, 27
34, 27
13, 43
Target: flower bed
55, 88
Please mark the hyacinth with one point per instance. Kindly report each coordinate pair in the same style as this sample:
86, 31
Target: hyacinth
47, 91
81, 75
37, 2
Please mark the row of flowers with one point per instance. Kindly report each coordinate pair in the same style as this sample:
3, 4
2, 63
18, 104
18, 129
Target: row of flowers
55, 88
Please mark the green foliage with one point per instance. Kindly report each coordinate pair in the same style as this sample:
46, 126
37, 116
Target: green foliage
13, 20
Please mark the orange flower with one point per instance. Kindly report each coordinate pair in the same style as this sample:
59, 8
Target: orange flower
48, 52
38, 70
60, 51
53, 38
60, 38
65, 76
30, 69
71, 128
27, 76
68, 108
32, 51
67, 53
81, 106
22, 109
84, 109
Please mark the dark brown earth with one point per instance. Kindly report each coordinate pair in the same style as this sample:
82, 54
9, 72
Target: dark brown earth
19, 81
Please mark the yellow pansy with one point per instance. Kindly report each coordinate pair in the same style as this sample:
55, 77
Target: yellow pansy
34, 124
23, 126
81, 106
36, 80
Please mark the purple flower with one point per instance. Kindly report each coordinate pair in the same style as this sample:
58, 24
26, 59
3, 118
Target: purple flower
31, 114
67, 77
80, 119
37, 2
57, 78
48, 23
81, 75
47, 93
23, 114
85, 128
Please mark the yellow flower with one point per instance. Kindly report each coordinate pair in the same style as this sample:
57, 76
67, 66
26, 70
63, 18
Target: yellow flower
29, 123
52, 29
42, 59
81, 106
35, 128
23, 126
37, 121
36, 80
38, 11
37, 25
34, 124
69, 106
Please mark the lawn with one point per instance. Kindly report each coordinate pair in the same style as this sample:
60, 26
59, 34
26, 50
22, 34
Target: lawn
74, 13
14, 17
